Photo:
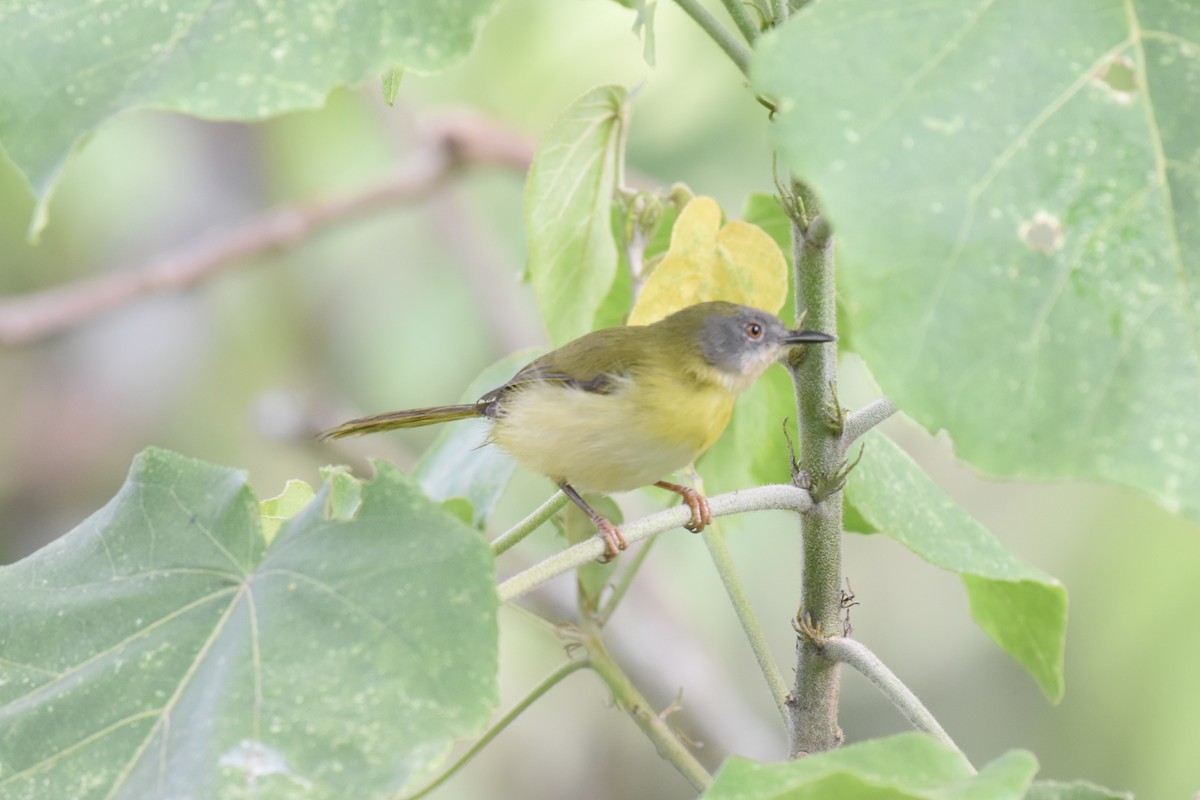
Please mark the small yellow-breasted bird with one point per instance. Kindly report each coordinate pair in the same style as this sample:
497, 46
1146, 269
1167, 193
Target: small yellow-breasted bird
620, 408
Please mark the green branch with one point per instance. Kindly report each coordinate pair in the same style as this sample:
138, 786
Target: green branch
621, 585
779, 12
719, 33
530, 524
741, 17
813, 703
652, 723
714, 537
860, 657
864, 419
760, 498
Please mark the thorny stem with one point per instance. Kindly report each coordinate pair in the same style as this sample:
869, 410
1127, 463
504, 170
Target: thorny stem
813, 703
737, 53
548, 683
653, 724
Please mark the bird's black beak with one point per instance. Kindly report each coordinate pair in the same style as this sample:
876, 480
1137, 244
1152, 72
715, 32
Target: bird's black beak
804, 337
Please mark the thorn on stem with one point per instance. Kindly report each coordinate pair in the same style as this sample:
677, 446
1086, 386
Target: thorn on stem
834, 413
674, 706
836, 482
846, 602
811, 631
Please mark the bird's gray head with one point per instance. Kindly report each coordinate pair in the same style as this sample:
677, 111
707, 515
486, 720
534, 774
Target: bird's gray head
740, 341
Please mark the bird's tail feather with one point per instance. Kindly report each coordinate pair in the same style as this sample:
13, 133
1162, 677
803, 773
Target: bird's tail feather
412, 418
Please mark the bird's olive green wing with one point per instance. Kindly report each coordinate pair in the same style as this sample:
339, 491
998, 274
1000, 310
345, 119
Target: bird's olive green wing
592, 362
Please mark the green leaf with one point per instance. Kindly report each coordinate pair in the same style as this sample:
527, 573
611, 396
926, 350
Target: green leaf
458, 464
910, 765
274, 511
345, 493
614, 309
643, 25
1074, 790
391, 84
854, 522
162, 650
1015, 188
568, 214
72, 65
461, 508
1021, 608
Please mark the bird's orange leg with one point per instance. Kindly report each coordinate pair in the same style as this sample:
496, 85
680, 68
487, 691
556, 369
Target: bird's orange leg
614, 540
698, 503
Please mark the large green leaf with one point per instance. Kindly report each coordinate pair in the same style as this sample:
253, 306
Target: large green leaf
1021, 608
161, 650
70, 65
1015, 186
460, 463
1074, 790
911, 765
568, 211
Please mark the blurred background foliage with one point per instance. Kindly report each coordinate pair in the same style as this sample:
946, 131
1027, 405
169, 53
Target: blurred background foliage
405, 306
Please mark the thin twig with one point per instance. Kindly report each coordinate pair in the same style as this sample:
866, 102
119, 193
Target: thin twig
857, 655
719, 33
449, 142
714, 537
741, 17
654, 725
718, 550
760, 498
623, 582
864, 419
530, 524
548, 683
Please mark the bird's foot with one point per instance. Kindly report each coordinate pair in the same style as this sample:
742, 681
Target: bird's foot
702, 515
614, 540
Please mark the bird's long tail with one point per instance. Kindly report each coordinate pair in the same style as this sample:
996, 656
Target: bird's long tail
412, 418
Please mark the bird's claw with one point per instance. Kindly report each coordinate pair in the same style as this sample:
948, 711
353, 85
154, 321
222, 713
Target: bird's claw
702, 515
614, 540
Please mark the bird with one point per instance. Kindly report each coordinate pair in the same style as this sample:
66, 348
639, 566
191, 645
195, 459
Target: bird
623, 407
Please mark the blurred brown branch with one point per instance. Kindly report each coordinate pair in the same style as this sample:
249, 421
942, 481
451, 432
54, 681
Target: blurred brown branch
447, 143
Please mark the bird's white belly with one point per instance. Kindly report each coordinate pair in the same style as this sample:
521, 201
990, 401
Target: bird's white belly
595, 442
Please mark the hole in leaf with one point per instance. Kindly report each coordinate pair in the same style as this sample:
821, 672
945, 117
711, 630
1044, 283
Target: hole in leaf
1119, 78
1044, 233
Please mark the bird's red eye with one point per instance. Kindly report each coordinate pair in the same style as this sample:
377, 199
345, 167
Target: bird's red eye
754, 330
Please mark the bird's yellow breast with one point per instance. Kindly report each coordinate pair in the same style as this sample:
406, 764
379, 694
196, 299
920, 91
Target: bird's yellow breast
639, 433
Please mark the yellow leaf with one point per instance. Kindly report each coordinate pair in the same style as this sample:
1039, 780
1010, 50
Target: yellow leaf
738, 262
